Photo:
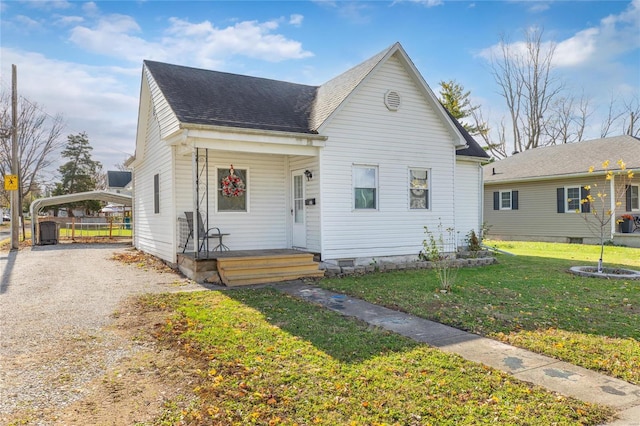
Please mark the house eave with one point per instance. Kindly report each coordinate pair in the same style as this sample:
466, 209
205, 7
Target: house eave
543, 178
223, 138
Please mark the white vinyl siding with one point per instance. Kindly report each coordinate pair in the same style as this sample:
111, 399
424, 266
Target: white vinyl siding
154, 231
468, 198
366, 132
264, 224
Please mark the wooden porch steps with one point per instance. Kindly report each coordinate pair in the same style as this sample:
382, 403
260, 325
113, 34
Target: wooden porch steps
260, 269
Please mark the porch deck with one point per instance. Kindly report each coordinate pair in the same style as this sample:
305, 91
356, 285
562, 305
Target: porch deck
247, 267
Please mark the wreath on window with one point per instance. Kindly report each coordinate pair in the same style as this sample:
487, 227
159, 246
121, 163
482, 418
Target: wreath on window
232, 185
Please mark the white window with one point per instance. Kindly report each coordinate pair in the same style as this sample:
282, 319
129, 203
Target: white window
419, 189
232, 190
572, 199
365, 187
634, 199
505, 200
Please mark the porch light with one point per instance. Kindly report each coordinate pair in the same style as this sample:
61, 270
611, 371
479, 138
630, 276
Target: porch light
308, 174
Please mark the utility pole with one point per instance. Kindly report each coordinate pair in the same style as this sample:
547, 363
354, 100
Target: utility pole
15, 195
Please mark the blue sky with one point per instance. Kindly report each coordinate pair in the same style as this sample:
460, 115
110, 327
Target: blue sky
84, 59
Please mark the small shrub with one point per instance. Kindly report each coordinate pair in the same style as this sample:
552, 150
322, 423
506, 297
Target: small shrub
473, 243
441, 251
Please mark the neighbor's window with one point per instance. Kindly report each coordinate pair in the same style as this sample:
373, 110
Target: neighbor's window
156, 193
418, 188
633, 199
236, 201
573, 199
505, 200
365, 187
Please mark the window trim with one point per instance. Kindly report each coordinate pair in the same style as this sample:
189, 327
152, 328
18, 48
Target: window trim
376, 188
566, 199
513, 200
247, 182
428, 189
510, 192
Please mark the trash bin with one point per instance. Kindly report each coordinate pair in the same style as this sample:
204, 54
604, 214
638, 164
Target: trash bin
127, 223
48, 233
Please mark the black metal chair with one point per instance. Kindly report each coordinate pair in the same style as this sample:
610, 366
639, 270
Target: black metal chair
204, 235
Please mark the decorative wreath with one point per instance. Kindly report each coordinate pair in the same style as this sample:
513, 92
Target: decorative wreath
232, 185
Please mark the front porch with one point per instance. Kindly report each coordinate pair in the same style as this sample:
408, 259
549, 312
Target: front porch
630, 239
248, 267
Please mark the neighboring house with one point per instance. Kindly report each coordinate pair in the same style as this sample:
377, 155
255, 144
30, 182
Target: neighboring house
535, 195
119, 182
351, 170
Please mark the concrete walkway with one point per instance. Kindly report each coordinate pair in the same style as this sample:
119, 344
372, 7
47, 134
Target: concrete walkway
558, 376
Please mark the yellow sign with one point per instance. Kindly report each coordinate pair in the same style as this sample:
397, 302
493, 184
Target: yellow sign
10, 182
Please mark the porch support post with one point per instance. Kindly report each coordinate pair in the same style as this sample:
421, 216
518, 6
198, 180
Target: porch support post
612, 190
196, 208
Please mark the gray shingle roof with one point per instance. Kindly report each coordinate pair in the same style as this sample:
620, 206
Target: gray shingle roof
200, 96
207, 97
567, 159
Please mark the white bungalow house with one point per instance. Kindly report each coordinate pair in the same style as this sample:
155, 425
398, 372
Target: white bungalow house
351, 170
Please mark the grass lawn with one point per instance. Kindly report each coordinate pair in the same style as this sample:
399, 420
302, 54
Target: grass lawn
268, 359
529, 300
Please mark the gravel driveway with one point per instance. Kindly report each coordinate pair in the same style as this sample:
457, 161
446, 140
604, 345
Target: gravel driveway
55, 302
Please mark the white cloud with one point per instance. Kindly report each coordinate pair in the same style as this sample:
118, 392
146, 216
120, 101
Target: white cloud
200, 43
64, 21
103, 101
49, 4
616, 35
426, 3
25, 23
296, 20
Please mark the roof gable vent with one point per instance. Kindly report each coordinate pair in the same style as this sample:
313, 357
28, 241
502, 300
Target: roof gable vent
392, 100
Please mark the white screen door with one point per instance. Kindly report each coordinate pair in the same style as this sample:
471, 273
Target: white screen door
297, 211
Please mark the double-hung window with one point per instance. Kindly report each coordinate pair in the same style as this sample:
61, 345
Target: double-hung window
365, 187
505, 200
570, 199
573, 199
419, 189
633, 197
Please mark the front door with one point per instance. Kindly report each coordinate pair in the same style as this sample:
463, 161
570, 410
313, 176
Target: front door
297, 210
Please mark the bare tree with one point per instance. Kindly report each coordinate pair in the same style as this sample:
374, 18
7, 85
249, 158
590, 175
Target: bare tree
38, 139
623, 117
524, 74
497, 148
568, 120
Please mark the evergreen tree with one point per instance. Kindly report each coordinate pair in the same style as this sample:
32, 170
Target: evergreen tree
457, 102
79, 173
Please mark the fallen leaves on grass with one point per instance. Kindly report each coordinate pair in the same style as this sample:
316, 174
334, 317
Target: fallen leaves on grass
617, 357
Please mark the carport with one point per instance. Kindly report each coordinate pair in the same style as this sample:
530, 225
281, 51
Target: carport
106, 196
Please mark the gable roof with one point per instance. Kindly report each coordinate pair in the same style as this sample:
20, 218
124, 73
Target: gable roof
558, 161
206, 97
118, 179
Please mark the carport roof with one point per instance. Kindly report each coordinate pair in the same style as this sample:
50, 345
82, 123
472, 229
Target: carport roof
106, 196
